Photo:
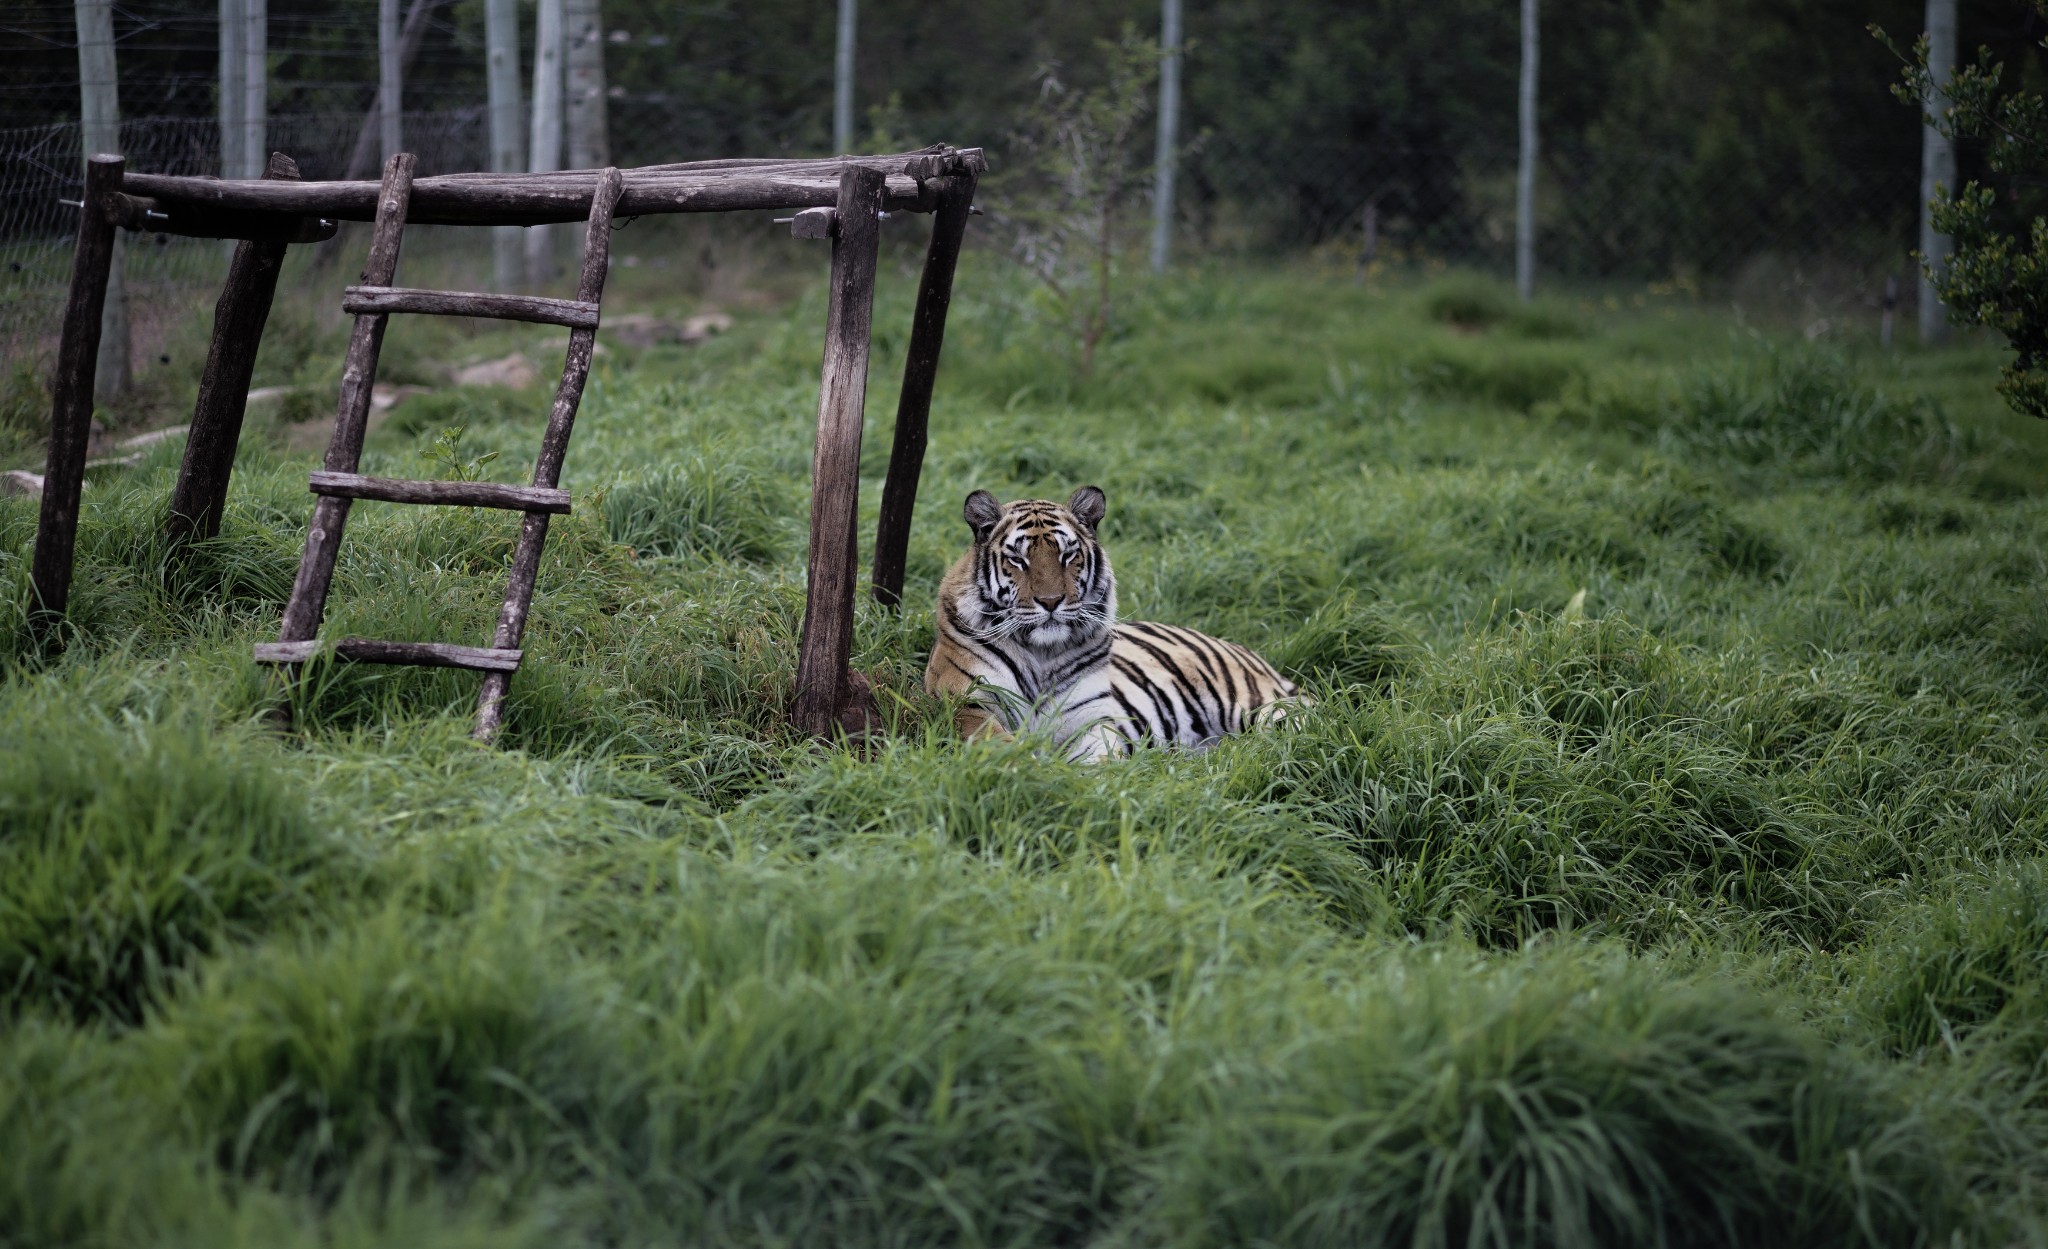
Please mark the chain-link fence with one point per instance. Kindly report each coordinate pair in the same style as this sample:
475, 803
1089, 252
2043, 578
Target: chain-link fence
41, 169
1602, 218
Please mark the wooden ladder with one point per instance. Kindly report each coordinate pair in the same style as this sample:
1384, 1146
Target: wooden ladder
339, 484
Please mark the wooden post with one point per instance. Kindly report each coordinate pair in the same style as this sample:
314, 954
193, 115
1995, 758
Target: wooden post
920, 373
547, 467
822, 684
200, 495
71, 396
352, 411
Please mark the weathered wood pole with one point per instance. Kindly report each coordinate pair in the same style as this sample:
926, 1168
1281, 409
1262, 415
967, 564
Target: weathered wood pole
920, 374
352, 411
200, 495
554, 445
71, 397
822, 685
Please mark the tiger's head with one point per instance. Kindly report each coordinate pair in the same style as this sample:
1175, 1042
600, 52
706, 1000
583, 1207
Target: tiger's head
1036, 576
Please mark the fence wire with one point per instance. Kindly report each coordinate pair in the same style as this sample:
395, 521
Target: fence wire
1600, 219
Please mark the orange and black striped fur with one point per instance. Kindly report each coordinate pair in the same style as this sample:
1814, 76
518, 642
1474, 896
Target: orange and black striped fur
1028, 636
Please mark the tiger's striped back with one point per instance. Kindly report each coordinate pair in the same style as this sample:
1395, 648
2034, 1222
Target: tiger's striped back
1028, 637
1176, 685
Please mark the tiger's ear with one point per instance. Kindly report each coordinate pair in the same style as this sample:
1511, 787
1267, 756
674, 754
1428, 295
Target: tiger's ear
1088, 505
981, 512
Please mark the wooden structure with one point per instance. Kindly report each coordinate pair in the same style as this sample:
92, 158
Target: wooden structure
841, 198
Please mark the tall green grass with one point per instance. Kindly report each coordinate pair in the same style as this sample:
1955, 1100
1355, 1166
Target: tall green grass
1659, 865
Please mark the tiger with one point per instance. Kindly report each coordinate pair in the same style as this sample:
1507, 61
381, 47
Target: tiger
1028, 638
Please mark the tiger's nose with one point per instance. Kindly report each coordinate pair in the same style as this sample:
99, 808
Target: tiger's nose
1050, 605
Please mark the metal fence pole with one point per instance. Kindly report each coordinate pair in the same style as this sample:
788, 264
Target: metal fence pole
99, 98
390, 86
1525, 170
233, 98
545, 156
842, 82
1937, 166
255, 149
1166, 151
508, 150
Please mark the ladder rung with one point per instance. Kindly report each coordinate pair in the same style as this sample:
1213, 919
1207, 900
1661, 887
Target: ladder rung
366, 651
441, 493
574, 313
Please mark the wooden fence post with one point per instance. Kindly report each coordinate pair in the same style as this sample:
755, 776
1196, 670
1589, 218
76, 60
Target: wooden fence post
920, 374
200, 495
821, 673
71, 396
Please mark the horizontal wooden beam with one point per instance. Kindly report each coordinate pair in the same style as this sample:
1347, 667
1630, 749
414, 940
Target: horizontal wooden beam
573, 313
441, 493
523, 199
188, 220
417, 654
